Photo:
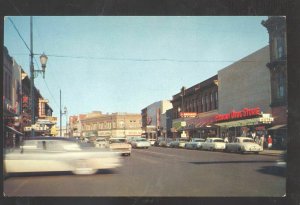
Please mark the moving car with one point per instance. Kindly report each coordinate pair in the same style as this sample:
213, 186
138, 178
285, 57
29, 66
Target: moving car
119, 144
195, 143
140, 143
101, 142
213, 144
53, 154
243, 144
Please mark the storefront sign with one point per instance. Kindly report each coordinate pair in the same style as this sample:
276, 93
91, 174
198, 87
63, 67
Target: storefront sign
187, 114
246, 112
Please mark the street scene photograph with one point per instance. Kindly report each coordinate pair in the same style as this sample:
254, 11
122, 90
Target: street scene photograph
145, 106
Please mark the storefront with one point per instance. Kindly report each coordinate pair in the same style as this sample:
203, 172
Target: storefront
202, 126
247, 122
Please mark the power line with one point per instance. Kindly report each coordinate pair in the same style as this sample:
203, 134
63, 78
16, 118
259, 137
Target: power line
19, 34
33, 57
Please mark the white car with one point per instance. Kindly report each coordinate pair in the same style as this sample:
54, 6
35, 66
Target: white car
243, 144
101, 142
213, 144
140, 143
195, 143
119, 144
53, 154
178, 143
152, 141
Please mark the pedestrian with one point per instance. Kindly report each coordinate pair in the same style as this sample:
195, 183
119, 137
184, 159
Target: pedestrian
262, 140
270, 142
226, 139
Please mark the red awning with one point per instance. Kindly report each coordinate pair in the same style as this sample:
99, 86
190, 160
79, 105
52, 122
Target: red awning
200, 122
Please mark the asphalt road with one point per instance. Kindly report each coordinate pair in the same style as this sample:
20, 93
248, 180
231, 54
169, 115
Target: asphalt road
164, 172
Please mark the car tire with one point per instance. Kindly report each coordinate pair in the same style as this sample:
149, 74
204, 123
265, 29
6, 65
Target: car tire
240, 151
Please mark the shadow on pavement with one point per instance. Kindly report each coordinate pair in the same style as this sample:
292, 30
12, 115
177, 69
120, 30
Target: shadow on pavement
64, 173
273, 170
233, 162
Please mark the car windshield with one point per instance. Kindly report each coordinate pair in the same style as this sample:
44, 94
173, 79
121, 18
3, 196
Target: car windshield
248, 140
199, 140
141, 140
100, 140
218, 140
117, 140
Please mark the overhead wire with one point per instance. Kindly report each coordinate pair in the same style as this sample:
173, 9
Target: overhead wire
15, 27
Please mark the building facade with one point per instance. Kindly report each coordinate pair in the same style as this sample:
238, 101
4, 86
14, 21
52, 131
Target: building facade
154, 119
277, 66
244, 97
96, 124
12, 91
194, 110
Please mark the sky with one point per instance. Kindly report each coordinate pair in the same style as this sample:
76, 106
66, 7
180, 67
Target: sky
123, 64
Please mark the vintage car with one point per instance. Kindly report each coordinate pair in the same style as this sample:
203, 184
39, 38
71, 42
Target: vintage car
119, 144
101, 142
195, 143
213, 144
178, 143
53, 154
140, 143
243, 144
152, 141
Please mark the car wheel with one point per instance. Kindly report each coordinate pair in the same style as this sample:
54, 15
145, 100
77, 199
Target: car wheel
81, 168
211, 149
240, 151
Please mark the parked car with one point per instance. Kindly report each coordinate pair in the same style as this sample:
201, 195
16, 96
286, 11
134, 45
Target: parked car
178, 143
195, 143
140, 143
53, 154
101, 142
213, 144
152, 141
119, 144
243, 144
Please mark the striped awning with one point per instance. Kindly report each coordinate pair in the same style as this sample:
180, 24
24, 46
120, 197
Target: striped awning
198, 122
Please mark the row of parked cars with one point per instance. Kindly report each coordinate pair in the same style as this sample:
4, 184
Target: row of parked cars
240, 144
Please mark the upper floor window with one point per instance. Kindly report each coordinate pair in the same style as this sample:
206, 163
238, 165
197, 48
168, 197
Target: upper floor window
280, 47
280, 88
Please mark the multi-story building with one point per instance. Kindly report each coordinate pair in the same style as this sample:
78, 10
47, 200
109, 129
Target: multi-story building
96, 124
277, 66
11, 100
194, 110
75, 125
244, 96
154, 119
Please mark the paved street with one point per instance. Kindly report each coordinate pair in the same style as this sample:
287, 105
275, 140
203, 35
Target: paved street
164, 172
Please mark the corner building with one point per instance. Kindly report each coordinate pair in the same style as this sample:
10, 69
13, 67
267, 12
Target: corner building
244, 97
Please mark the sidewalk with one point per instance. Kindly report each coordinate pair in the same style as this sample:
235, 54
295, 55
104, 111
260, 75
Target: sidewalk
272, 152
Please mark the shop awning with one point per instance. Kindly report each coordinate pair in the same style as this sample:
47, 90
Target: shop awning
14, 130
240, 123
200, 122
277, 127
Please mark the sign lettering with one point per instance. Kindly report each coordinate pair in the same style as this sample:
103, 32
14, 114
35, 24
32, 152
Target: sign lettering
246, 112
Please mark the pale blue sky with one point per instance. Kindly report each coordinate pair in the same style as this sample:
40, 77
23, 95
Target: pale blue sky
127, 63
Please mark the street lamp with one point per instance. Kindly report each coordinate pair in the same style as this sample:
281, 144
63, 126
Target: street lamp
61, 114
34, 73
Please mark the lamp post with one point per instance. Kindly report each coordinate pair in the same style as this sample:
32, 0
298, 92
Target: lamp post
61, 113
43, 60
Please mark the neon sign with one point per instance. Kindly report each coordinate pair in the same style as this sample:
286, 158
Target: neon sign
246, 112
